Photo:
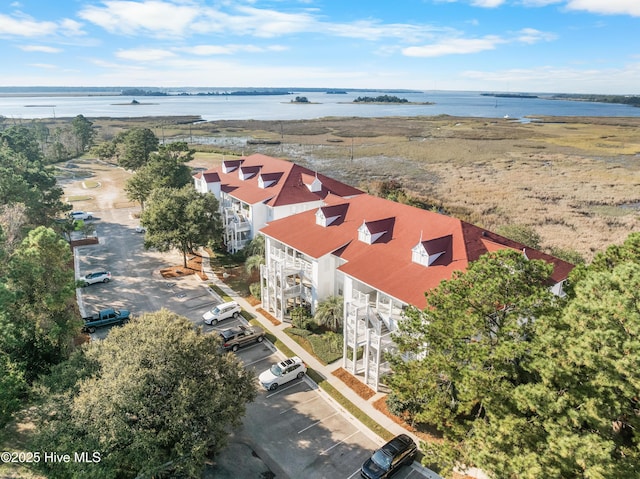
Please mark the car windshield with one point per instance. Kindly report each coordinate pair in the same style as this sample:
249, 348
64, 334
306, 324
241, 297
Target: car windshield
215, 310
276, 370
381, 459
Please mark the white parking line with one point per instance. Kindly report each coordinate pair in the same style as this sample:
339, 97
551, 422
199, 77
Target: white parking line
279, 390
257, 361
298, 404
354, 474
339, 442
317, 422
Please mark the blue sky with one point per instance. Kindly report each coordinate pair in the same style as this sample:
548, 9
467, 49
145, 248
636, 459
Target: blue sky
581, 46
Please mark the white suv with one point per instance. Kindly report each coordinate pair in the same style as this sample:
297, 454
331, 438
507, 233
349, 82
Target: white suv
222, 311
282, 372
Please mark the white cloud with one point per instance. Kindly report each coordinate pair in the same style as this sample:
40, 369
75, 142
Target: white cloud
208, 50
374, 30
21, 25
557, 79
457, 46
46, 66
607, 7
40, 48
531, 35
145, 54
128, 17
163, 18
70, 27
270, 23
539, 3
487, 3
25, 27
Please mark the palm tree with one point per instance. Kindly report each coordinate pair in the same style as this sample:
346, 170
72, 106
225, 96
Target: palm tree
252, 263
330, 313
256, 246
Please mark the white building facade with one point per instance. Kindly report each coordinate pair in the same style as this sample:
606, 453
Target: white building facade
380, 256
258, 189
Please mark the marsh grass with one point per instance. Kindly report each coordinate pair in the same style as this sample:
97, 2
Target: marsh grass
569, 178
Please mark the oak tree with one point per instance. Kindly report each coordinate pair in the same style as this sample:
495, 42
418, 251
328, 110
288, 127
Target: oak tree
181, 218
160, 399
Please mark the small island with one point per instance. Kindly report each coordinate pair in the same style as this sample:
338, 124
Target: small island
302, 100
509, 95
387, 99
133, 102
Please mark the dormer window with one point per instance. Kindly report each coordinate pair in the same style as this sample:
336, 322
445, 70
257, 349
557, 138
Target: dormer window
324, 221
231, 165
313, 183
427, 252
265, 180
372, 231
327, 215
246, 172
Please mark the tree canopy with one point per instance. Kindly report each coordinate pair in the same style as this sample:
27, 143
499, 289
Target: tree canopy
38, 301
467, 347
181, 218
25, 179
157, 398
136, 145
84, 133
557, 396
166, 168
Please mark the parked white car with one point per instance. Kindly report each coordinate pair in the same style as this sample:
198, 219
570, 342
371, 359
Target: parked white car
222, 311
282, 372
97, 277
81, 215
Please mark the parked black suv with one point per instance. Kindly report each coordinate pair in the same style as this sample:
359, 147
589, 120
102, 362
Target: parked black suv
389, 458
234, 338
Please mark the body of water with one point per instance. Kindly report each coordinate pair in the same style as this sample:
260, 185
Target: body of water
279, 107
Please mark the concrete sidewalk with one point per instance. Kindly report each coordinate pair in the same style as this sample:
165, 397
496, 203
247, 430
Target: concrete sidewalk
364, 405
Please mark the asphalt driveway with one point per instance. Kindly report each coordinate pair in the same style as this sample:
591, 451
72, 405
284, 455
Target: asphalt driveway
295, 431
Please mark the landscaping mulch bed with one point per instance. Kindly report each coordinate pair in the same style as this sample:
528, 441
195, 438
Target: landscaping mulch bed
194, 266
83, 242
253, 301
273, 320
361, 389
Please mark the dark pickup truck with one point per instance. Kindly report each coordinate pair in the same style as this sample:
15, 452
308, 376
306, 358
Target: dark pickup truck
106, 317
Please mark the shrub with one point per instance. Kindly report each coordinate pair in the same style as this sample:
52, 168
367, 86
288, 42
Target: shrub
301, 318
300, 332
255, 290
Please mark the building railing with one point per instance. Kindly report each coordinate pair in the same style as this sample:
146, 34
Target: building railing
290, 262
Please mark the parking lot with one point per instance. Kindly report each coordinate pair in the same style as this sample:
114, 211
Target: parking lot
294, 431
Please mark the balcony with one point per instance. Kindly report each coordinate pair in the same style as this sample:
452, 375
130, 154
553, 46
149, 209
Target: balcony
235, 221
382, 314
289, 262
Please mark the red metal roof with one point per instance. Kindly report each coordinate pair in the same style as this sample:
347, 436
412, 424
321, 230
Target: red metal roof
386, 265
289, 187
